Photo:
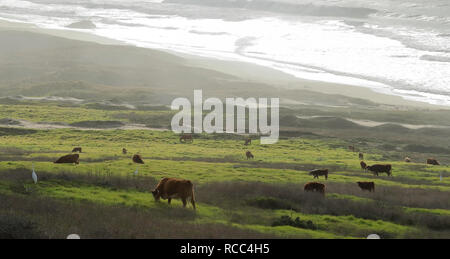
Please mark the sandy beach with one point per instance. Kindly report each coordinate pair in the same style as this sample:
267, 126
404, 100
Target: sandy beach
246, 71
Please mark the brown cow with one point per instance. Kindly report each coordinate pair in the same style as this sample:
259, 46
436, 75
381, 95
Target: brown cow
69, 159
361, 156
319, 172
77, 149
376, 169
169, 188
352, 148
315, 187
370, 186
248, 142
138, 159
432, 161
363, 165
407, 160
249, 155
185, 137
124, 151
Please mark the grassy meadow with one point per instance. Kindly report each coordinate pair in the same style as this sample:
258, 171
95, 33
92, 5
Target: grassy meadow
237, 198
109, 97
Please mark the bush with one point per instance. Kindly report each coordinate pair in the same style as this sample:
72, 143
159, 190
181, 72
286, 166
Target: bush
98, 124
16, 131
287, 221
269, 203
13, 227
38, 217
426, 149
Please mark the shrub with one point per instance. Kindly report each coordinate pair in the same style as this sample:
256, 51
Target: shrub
287, 221
426, 149
13, 227
269, 203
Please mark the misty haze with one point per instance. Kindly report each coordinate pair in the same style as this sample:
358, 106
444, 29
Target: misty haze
363, 141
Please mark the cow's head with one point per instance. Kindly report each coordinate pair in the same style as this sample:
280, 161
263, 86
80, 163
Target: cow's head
156, 194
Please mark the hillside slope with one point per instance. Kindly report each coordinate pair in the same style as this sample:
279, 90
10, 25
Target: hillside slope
34, 64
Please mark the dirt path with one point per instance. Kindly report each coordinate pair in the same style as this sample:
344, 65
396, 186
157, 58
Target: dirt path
24, 124
370, 123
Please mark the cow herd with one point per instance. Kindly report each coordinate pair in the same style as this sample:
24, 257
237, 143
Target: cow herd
169, 188
376, 169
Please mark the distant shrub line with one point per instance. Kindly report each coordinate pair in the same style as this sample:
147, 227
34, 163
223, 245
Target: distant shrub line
288, 221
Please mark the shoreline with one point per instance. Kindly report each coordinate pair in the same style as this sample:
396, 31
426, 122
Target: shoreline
243, 70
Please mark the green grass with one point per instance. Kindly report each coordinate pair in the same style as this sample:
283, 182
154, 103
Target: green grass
413, 202
237, 198
286, 162
58, 113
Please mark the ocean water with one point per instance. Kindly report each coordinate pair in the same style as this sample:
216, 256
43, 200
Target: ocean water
399, 47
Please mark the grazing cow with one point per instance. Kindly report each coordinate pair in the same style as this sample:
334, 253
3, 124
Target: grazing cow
352, 148
169, 188
77, 149
370, 186
432, 161
315, 187
249, 155
361, 156
376, 169
363, 165
69, 159
407, 160
248, 141
124, 151
319, 172
185, 137
138, 159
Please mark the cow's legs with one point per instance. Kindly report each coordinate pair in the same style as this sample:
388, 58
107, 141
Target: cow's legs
169, 200
193, 203
184, 202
